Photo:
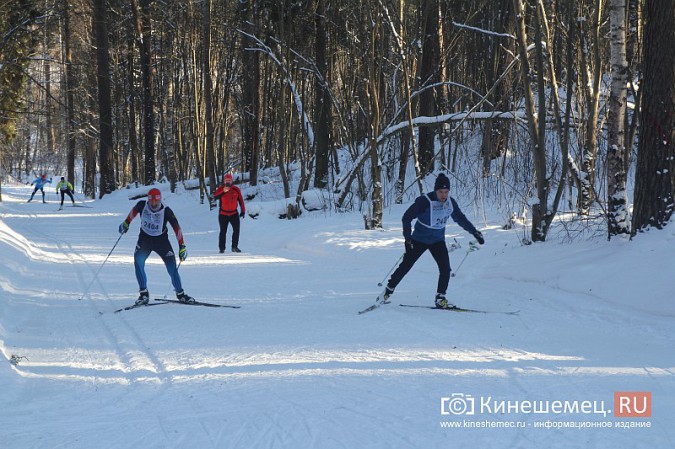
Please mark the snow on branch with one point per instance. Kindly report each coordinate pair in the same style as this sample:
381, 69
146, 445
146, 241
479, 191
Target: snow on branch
454, 117
484, 31
427, 121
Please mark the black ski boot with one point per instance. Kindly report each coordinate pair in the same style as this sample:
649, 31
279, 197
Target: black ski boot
143, 298
386, 295
185, 298
443, 303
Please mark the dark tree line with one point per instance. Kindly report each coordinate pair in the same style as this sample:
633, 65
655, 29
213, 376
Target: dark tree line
361, 98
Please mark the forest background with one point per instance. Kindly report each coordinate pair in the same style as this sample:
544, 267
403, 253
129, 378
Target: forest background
555, 106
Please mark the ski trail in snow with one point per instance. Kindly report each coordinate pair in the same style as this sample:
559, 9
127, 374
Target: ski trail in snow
130, 348
295, 367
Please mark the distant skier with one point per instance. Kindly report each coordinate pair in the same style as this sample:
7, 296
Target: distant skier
65, 188
432, 212
154, 237
40, 185
229, 196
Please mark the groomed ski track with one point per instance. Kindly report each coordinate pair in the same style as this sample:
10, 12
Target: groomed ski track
296, 366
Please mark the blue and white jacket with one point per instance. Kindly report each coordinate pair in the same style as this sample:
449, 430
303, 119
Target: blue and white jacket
40, 182
432, 218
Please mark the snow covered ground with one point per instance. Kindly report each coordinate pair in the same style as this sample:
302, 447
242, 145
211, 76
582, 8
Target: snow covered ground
297, 367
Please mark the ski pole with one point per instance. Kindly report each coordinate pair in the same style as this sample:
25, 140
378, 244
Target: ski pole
177, 267
99, 268
472, 248
392, 269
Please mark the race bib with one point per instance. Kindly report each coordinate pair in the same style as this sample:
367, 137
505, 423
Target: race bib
439, 214
152, 222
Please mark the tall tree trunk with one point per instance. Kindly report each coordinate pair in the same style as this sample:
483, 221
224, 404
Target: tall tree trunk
144, 33
534, 116
100, 29
408, 96
633, 54
591, 70
617, 211
496, 131
49, 124
428, 74
133, 148
170, 132
374, 220
89, 163
198, 130
208, 96
250, 93
285, 143
655, 175
70, 87
322, 105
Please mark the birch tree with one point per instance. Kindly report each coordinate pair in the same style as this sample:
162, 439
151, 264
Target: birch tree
536, 112
590, 68
617, 212
374, 112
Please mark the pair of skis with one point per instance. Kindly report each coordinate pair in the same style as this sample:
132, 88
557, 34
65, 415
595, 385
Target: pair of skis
75, 205
461, 309
379, 301
160, 301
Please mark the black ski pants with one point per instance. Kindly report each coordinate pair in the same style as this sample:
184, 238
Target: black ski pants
223, 222
69, 193
438, 251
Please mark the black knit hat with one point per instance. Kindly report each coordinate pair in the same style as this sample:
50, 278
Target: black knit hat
442, 182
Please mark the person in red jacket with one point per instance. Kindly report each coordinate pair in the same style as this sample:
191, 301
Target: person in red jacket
229, 196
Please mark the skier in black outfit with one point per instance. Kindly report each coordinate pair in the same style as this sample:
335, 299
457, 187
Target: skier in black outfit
432, 212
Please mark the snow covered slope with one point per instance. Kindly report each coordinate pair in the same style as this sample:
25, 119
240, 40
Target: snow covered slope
297, 367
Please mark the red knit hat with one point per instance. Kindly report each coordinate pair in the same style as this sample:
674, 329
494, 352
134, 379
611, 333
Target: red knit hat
227, 177
155, 194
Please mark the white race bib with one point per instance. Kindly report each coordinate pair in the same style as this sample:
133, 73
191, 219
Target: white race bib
152, 222
439, 213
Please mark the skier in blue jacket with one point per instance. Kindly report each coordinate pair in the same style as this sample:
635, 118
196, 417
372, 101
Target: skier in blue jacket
40, 185
432, 212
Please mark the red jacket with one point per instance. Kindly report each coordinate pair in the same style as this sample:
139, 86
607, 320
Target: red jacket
229, 200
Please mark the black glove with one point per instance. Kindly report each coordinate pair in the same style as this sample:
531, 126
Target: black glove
409, 246
242, 214
124, 227
479, 236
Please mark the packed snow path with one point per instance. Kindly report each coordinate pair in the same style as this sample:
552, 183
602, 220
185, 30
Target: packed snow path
296, 366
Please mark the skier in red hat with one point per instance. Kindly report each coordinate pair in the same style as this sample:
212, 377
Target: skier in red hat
229, 196
40, 185
154, 237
